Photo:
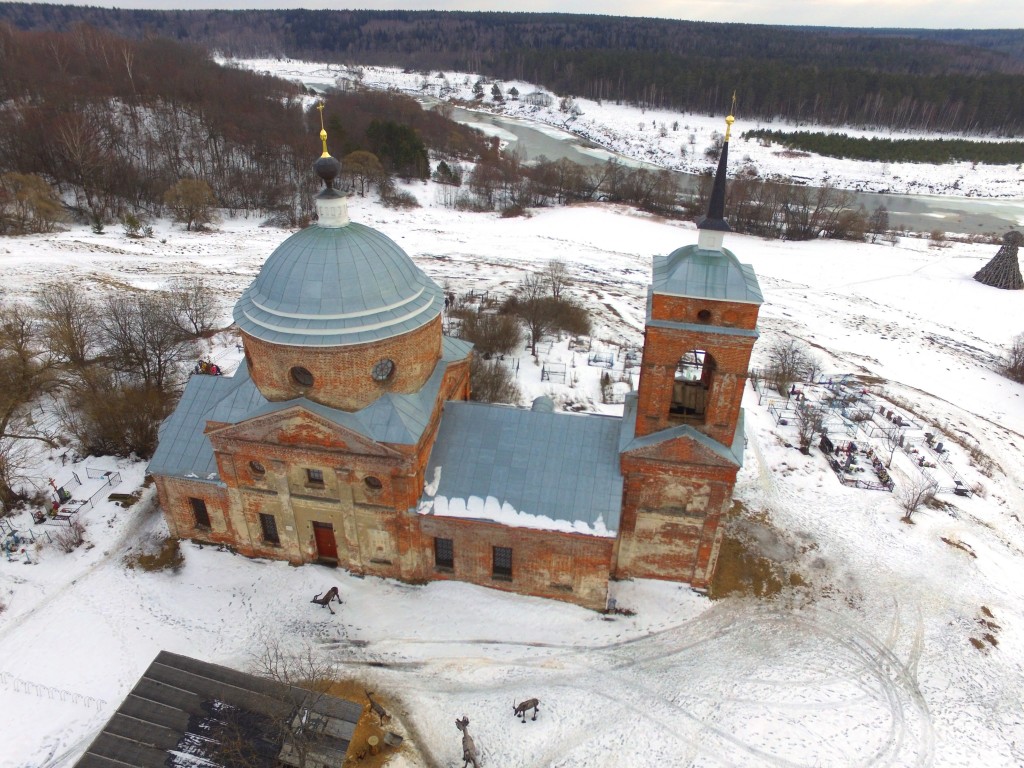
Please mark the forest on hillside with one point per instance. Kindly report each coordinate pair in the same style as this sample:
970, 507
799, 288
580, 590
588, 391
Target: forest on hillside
968, 83
113, 124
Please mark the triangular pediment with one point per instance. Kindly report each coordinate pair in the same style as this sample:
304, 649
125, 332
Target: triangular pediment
683, 446
298, 427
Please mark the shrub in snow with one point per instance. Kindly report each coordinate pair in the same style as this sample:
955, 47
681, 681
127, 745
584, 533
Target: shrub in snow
492, 382
1013, 365
70, 538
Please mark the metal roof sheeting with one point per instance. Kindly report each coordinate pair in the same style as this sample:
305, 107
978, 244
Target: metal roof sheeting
335, 286
628, 441
689, 271
183, 449
559, 465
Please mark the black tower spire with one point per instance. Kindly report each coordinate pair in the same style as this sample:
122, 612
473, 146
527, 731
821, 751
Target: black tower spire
715, 219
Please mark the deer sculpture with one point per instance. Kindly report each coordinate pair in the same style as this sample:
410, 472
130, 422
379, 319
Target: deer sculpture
524, 707
378, 710
328, 596
469, 753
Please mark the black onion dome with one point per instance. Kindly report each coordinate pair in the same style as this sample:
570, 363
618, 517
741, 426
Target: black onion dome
327, 168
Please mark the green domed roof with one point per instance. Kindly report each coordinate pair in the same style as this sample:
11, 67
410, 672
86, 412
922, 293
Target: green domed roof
335, 286
690, 271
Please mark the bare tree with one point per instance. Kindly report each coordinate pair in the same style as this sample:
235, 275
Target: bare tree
143, 339
916, 494
25, 374
191, 202
68, 321
557, 275
789, 361
892, 438
195, 303
878, 222
1013, 364
543, 313
810, 421
307, 676
532, 306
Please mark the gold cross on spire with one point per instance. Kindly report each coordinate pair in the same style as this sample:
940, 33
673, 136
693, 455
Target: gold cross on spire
323, 131
730, 119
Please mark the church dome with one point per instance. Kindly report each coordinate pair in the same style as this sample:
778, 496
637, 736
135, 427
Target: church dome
330, 286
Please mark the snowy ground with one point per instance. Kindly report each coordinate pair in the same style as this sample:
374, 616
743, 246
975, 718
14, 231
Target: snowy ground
677, 140
871, 662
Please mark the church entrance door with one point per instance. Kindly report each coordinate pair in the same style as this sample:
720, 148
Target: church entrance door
326, 544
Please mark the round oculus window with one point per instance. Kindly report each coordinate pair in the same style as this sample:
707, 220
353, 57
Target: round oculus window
383, 369
302, 376
704, 315
257, 468
373, 483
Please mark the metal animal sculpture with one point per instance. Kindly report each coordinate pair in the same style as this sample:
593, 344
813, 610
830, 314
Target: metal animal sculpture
378, 710
469, 753
521, 709
331, 594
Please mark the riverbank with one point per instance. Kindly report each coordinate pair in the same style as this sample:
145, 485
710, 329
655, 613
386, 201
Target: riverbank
675, 140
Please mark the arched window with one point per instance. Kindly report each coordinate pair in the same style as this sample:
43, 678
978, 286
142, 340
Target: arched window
691, 387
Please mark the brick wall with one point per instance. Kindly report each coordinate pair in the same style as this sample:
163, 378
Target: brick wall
671, 511
341, 375
564, 566
729, 357
727, 314
174, 494
675, 493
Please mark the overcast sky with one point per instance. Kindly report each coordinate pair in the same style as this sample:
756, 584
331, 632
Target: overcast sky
941, 14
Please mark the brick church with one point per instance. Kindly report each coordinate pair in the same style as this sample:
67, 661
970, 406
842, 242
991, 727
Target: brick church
347, 436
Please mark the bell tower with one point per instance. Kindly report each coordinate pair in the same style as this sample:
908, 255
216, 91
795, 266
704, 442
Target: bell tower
686, 445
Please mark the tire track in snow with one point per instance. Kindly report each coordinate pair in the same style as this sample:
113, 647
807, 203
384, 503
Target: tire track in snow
642, 676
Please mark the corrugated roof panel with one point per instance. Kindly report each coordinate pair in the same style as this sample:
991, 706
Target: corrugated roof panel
141, 734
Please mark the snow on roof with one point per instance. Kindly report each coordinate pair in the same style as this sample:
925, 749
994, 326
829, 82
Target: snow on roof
184, 450
529, 469
176, 713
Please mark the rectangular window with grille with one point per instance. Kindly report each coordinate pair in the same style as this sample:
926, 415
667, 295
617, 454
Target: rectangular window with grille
315, 476
444, 553
200, 513
269, 525
502, 569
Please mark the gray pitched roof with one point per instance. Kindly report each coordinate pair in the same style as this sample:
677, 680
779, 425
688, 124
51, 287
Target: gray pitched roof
335, 286
689, 271
560, 465
183, 449
173, 716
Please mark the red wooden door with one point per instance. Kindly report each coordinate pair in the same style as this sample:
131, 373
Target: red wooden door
326, 544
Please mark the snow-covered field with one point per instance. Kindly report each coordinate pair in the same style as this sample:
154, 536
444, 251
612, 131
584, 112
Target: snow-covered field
677, 140
867, 660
